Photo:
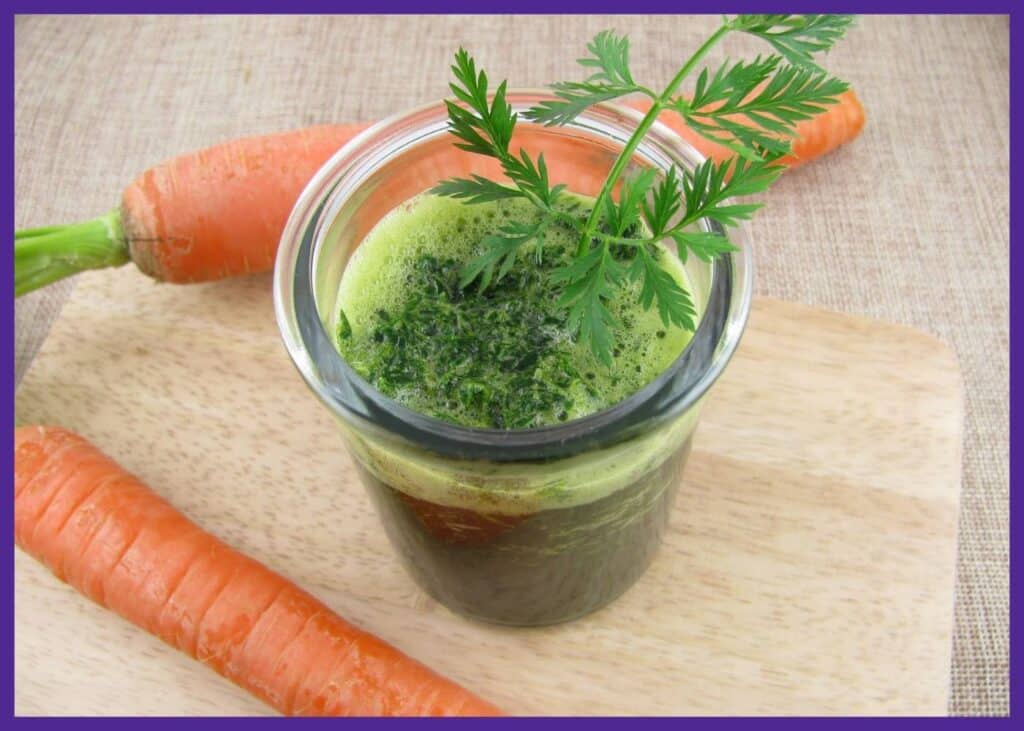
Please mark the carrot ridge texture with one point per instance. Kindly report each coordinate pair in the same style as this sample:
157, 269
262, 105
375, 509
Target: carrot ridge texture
220, 211
101, 530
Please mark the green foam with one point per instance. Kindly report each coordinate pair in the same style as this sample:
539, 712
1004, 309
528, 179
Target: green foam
377, 278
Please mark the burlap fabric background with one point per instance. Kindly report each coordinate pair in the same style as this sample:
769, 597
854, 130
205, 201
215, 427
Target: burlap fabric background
908, 224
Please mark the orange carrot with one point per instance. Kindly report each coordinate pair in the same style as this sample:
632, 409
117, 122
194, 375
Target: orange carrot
101, 530
201, 216
838, 124
220, 211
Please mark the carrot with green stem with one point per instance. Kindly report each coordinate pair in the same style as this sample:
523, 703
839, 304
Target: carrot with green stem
206, 215
220, 212
105, 533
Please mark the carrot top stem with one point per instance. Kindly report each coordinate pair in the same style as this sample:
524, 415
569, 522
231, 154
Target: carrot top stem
45, 255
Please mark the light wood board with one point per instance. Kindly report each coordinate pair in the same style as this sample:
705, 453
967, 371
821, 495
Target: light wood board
809, 567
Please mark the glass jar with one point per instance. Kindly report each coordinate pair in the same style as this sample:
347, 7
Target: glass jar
522, 527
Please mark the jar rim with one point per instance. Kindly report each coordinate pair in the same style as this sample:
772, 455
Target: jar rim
677, 388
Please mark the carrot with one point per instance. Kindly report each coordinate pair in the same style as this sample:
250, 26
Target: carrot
838, 124
101, 530
205, 215
220, 211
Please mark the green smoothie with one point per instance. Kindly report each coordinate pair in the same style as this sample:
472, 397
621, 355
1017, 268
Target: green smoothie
522, 542
504, 357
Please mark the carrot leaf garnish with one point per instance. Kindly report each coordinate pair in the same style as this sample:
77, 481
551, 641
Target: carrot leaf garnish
752, 108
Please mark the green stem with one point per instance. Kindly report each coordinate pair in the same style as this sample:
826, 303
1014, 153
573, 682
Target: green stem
613, 176
641, 131
696, 58
44, 255
26, 233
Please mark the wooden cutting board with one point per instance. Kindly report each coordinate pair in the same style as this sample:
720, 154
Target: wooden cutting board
809, 568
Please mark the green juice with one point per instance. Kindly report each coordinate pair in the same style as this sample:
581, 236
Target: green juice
501, 358
519, 543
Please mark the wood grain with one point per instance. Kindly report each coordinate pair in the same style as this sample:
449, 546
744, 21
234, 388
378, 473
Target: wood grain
809, 568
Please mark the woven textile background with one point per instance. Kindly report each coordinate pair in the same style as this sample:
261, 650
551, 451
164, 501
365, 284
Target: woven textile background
909, 224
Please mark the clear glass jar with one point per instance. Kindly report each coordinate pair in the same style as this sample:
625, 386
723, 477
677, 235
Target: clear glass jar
524, 527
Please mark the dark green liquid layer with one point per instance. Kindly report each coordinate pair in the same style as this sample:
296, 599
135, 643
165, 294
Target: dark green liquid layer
551, 566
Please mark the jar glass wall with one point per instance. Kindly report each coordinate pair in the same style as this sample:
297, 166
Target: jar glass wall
522, 527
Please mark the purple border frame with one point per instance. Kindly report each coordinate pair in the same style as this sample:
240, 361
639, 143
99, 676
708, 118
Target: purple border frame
397, 7
1016, 203
7, 365
1001, 7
